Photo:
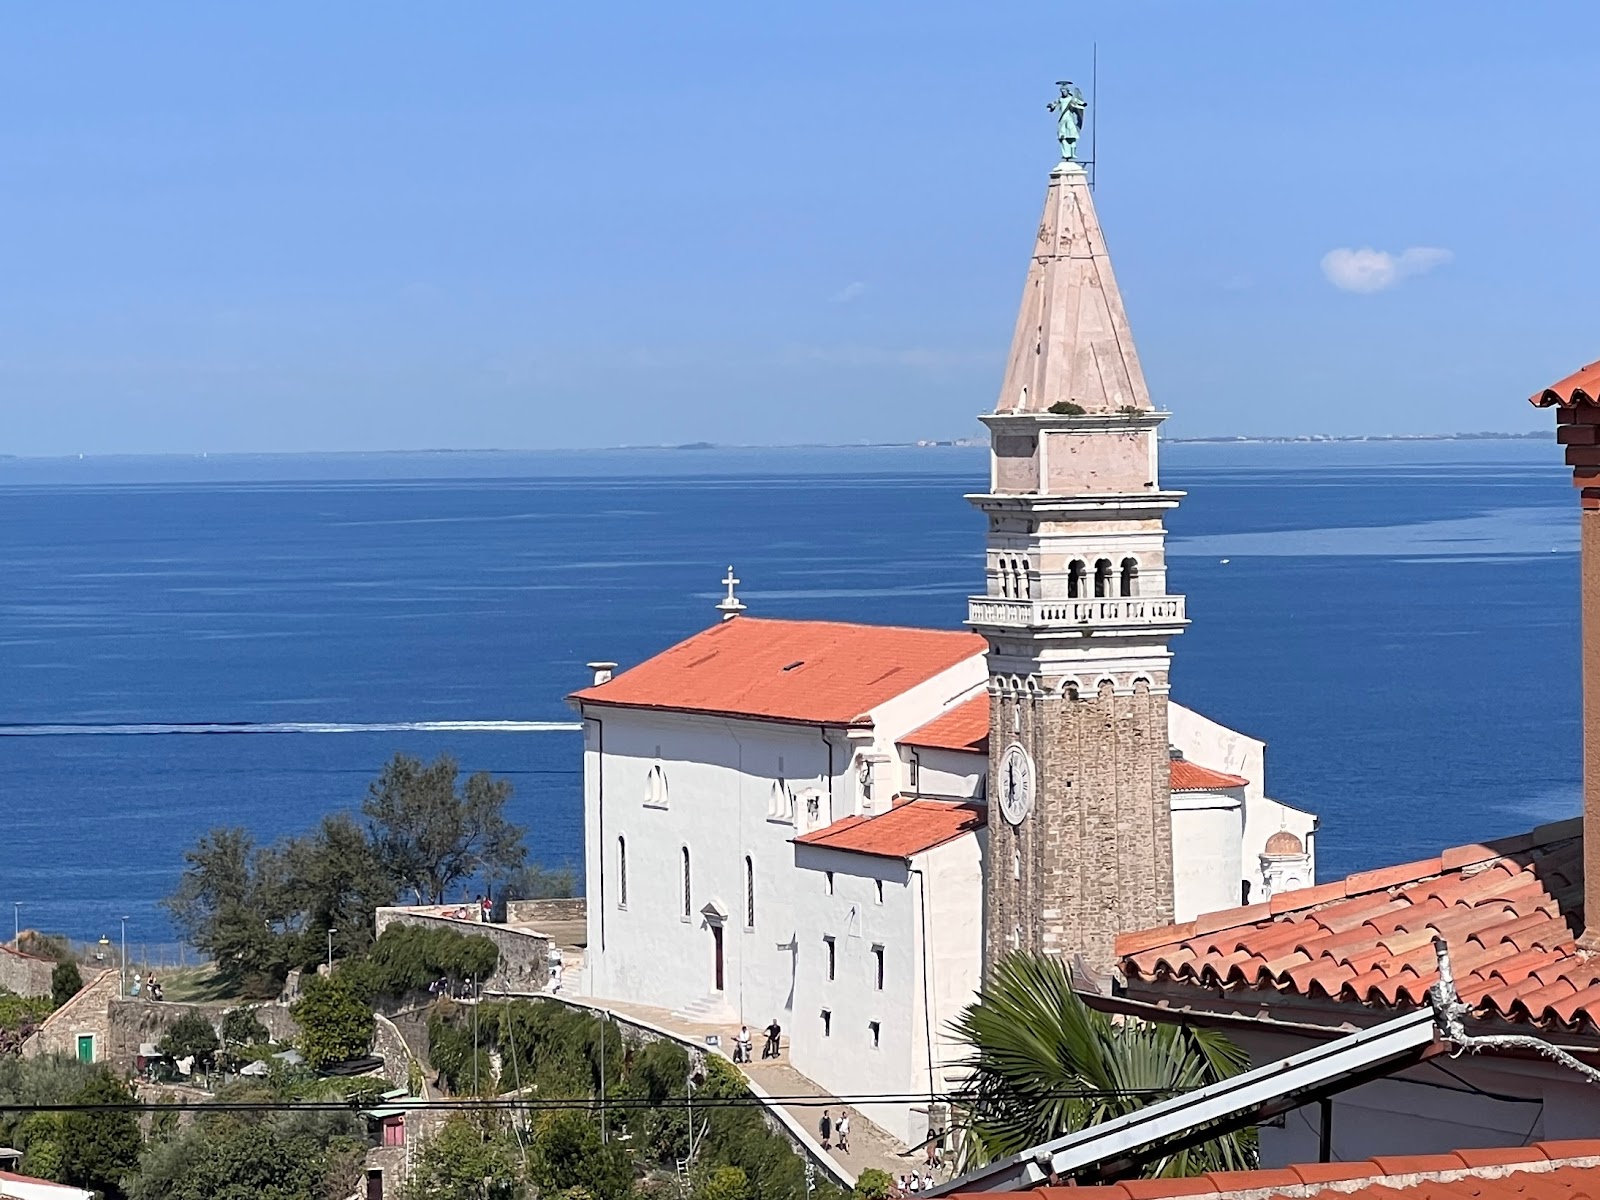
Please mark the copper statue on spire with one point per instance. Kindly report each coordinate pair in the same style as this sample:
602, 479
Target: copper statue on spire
1069, 125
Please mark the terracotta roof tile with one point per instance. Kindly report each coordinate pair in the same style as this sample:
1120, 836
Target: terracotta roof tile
1192, 777
1546, 1171
818, 672
964, 727
1581, 387
908, 828
1368, 939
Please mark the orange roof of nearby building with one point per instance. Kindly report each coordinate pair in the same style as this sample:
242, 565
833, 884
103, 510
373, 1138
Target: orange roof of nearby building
908, 828
1543, 1171
1581, 387
818, 672
964, 727
1192, 777
1507, 909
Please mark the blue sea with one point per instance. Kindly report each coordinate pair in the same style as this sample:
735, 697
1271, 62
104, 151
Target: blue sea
1397, 620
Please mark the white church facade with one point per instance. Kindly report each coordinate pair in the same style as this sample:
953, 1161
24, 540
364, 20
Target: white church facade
837, 825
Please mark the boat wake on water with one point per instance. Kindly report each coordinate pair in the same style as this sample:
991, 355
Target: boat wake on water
225, 727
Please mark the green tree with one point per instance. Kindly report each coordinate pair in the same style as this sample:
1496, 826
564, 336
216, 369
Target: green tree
190, 1034
431, 833
453, 1164
241, 1027
567, 1153
335, 1024
65, 983
335, 879
237, 1157
1042, 1063
235, 903
99, 1145
720, 1183
873, 1184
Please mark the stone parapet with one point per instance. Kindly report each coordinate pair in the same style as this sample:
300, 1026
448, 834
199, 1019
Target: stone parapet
524, 955
537, 912
24, 974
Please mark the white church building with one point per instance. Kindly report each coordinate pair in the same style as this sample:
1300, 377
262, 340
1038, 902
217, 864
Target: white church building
790, 819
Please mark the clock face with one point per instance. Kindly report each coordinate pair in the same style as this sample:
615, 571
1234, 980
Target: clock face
1015, 784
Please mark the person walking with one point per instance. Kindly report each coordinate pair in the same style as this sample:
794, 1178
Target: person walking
842, 1131
774, 1033
825, 1127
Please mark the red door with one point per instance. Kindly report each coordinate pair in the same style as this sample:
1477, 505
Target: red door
716, 939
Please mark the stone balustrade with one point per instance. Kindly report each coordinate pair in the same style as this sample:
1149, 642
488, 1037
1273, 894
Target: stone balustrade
1109, 611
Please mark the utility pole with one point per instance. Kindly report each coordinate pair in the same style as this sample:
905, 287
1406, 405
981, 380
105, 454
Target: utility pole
603, 1058
16, 924
331, 932
474, 1035
123, 965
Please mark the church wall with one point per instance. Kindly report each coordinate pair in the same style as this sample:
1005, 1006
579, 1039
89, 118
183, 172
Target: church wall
720, 778
840, 1055
945, 774
911, 710
1206, 858
953, 877
1222, 749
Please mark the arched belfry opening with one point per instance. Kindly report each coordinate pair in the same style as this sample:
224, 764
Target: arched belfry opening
1102, 579
1076, 575
1130, 577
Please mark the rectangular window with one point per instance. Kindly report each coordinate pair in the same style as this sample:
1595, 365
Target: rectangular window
878, 884
873, 1027
827, 1023
622, 872
832, 958
877, 967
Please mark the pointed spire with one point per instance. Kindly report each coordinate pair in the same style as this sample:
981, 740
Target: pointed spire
1072, 344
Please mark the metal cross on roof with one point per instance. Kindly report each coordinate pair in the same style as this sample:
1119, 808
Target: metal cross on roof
731, 606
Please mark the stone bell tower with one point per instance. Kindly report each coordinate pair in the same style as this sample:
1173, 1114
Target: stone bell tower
1076, 612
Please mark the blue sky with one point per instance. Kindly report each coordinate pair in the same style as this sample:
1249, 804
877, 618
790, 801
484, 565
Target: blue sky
391, 226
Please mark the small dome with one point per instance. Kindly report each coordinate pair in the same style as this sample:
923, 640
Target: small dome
1283, 842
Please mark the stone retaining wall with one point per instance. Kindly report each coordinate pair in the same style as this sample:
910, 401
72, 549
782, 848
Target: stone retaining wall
524, 956
24, 974
535, 912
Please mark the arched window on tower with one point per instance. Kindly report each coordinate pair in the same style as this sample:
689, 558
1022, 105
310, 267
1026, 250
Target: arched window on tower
1026, 580
1130, 577
1076, 574
688, 891
1005, 577
1102, 578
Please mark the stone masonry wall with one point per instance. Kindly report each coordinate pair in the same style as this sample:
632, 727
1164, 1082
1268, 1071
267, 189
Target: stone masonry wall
524, 956
24, 974
533, 912
86, 1013
1094, 858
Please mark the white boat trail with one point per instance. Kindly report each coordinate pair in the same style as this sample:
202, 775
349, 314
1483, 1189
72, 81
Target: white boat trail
227, 727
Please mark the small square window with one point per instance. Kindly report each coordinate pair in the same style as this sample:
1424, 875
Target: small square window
827, 1023
873, 1027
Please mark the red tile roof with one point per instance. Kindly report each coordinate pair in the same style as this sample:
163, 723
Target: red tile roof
818, 672
1543, 1171
1192, 777
909, 827
1508, 910
964, 727
1581, 387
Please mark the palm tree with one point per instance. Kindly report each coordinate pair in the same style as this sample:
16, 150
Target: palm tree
1043, 1063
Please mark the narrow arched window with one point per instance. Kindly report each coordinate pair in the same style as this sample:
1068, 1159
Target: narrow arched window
1075, 578
1005, 577
1130, 577
1102, 578
688, 890
622, 872
749, 893
1026, 579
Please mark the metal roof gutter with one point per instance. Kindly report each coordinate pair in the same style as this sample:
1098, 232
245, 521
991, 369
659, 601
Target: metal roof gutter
1117, 1146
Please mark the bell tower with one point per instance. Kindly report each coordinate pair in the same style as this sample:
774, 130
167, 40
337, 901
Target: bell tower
1076, 612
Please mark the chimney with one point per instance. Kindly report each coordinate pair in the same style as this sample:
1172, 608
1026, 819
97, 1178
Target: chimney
1578, 429
603, 671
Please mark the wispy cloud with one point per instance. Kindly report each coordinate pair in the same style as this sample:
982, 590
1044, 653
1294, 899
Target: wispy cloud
1369, 270
848, 292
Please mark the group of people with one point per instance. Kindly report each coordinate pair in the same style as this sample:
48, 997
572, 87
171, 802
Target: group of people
912, 1183
769, 1048
835, 1134
152, 986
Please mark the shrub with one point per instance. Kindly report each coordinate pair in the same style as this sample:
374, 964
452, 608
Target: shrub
65, 983
1066, 408
190, 1034
873, 1184
241, 1027
335, 1024
410, 957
